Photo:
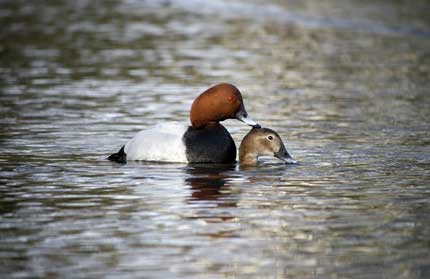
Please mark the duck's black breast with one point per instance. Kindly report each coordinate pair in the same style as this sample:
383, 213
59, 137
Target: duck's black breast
212, 144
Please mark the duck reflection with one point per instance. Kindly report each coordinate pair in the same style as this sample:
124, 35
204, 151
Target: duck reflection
210, 183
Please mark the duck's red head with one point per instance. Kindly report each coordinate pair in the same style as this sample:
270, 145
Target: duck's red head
218, 103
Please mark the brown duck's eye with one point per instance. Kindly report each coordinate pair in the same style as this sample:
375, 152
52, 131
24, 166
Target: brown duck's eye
270, 137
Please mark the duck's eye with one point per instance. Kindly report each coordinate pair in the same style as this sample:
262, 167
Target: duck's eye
270, 137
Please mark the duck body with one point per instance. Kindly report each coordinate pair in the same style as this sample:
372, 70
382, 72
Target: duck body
205, 141
176, 142
162, 142
212, 144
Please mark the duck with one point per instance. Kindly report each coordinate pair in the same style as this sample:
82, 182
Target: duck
262, 142
204, 141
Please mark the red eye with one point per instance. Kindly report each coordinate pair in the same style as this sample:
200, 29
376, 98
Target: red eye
230, 98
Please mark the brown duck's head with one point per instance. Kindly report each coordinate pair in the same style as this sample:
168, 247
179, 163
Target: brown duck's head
262, 142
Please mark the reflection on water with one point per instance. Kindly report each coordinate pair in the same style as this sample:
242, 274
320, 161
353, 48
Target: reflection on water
208, 182
345, 83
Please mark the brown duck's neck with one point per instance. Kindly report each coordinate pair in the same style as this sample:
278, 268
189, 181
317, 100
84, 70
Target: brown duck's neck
248, 159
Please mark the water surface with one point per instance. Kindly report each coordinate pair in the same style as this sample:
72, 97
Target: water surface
345, 83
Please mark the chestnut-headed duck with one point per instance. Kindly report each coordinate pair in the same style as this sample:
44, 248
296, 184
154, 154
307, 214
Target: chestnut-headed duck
262, 142
205, 141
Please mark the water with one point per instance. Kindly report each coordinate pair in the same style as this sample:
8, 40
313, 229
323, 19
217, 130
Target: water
345, 83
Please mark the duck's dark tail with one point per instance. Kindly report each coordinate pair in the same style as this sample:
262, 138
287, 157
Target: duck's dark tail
119, 157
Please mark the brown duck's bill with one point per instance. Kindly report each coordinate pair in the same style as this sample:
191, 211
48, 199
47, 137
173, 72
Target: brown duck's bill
283, 155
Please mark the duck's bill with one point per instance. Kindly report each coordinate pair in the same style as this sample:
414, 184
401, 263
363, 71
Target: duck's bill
284, 156
290, 161
245, 119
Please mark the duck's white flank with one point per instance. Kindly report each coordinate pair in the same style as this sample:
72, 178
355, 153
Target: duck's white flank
162, 142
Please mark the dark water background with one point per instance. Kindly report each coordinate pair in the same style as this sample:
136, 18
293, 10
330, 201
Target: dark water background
345, 83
